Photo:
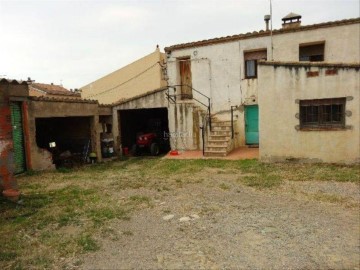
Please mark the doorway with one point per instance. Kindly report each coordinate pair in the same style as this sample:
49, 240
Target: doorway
252, 124
185, 78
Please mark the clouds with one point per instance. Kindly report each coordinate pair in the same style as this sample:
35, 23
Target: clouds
79, 41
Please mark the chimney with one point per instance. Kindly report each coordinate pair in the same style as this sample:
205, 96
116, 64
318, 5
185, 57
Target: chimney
292, 20
267, 19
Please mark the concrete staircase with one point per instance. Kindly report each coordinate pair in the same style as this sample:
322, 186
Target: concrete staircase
219, 142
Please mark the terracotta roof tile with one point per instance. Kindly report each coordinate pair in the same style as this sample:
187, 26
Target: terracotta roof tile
13, 81
54, 89
62, 99
260, 33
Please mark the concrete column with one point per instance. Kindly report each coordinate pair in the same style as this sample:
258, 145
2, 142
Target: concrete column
95, 137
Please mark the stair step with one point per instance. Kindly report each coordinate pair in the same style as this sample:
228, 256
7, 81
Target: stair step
215, 153
218, 142
220, 133
221, 123
215, 148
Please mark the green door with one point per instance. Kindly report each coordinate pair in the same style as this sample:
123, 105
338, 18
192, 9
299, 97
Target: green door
252, 124
18, 137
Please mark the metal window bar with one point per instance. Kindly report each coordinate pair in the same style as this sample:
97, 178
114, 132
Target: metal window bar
322, 113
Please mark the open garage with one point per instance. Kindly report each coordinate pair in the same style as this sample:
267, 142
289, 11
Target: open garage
64, 137
62, 131
139, 122
142, 121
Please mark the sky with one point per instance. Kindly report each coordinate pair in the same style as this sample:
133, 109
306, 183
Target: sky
76, 42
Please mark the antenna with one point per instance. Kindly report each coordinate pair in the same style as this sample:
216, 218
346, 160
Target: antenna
271, 32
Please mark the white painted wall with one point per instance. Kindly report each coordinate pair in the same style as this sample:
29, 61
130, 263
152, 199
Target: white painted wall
279, 138
218, 69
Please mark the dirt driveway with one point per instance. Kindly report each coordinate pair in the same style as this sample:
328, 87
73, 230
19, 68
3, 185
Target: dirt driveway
153, 213
219, 224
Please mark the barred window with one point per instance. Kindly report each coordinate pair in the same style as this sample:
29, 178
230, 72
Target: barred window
322, 113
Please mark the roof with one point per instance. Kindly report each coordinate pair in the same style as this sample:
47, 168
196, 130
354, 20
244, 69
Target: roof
291, 15
310, 64
54, 89
62, 99
261, 33
122, 101
11, 81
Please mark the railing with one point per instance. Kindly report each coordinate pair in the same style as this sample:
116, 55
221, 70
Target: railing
174, 97
232, 121
207, 122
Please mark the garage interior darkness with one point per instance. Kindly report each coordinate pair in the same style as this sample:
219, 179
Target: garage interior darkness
71, 134
139, 121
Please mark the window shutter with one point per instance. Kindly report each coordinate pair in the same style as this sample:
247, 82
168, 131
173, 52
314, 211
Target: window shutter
255, 55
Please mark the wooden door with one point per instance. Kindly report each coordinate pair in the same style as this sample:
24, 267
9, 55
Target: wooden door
185, 78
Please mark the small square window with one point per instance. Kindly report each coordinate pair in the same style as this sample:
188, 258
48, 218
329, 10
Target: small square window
251, 59
250, 68
312, 53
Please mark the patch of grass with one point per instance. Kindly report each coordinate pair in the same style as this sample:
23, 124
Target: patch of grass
100, 215
7, 256
87, 243
139, 199
67, 218
331, 198
262, 181
224, 186
128, 233
63, 170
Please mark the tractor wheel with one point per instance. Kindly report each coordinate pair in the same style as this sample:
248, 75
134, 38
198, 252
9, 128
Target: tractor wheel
154, 149
135, 150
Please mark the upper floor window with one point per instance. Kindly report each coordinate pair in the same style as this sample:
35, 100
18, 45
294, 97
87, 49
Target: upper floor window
251, 59
322, 113
312, 53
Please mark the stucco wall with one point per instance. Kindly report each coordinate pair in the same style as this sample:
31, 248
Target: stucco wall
41, 158
279, 88
155, 99
218, 69
134, 79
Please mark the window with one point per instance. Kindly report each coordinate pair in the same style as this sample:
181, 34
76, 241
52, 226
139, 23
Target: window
322, 113
251, 59
312, 53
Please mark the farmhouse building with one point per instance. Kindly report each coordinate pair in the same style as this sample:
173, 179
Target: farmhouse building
294, 92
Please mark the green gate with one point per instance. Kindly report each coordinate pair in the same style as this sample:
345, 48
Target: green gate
18, 137
252, 124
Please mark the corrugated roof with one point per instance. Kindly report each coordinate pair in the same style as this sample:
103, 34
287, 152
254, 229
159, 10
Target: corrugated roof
54, 89
260, 33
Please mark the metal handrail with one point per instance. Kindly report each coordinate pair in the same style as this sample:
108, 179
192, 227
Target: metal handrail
208, 106
232, 120
197, 91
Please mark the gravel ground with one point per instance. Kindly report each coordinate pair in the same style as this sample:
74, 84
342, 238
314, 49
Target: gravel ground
235, 227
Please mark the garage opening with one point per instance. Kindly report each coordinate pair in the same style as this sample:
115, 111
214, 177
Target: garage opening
137, 123
67, 138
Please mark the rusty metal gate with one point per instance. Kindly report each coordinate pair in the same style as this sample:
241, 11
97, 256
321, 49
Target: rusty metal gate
18, 137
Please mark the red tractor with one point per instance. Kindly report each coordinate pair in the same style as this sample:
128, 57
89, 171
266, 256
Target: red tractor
149, 142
